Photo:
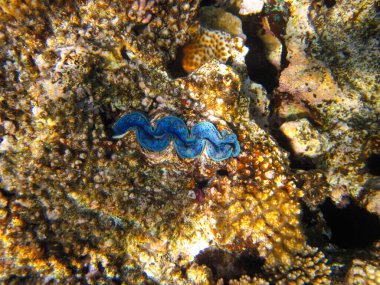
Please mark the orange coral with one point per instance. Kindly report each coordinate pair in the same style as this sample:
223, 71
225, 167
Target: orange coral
206, 46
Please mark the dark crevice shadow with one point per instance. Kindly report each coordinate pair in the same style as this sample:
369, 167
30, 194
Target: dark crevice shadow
314, 227
208, 3
352, 227
329, 3
230, 265
373, 164
260, 70
139, 29
174, 67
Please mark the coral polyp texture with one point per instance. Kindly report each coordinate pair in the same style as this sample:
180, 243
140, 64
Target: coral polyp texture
80, 207
202, 136
208, 45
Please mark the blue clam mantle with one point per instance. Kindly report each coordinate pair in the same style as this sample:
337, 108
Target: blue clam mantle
203, 135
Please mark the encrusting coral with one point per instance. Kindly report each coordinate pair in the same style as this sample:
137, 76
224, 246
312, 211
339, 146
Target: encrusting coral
77, 206
220, 36
362, 272
209, 45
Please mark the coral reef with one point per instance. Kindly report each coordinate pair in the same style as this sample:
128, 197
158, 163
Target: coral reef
316, 87
77, 206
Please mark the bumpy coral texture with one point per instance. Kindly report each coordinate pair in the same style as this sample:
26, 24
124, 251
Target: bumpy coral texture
209, 45
77, 206
364, 272
330, 82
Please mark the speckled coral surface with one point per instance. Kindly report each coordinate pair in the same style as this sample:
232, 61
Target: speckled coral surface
329, 82
77, 206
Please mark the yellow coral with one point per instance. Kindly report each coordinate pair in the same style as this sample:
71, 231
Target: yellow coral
364, 272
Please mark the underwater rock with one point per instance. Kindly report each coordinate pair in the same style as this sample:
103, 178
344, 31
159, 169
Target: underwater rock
7, 144
248, 7
259, 102
244, 7
273, 46
348, 43
213, 18
304, 139
372, 201
313, 87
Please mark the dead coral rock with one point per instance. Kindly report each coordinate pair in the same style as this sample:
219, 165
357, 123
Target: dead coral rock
259, 102
314, 187
218, 19
248, 7
306, 82
309, 82
304, 139
373, 202
347, 32
273, 45
244, 7
315, 87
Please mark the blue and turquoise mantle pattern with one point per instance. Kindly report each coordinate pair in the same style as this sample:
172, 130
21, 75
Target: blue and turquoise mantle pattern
202, 136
